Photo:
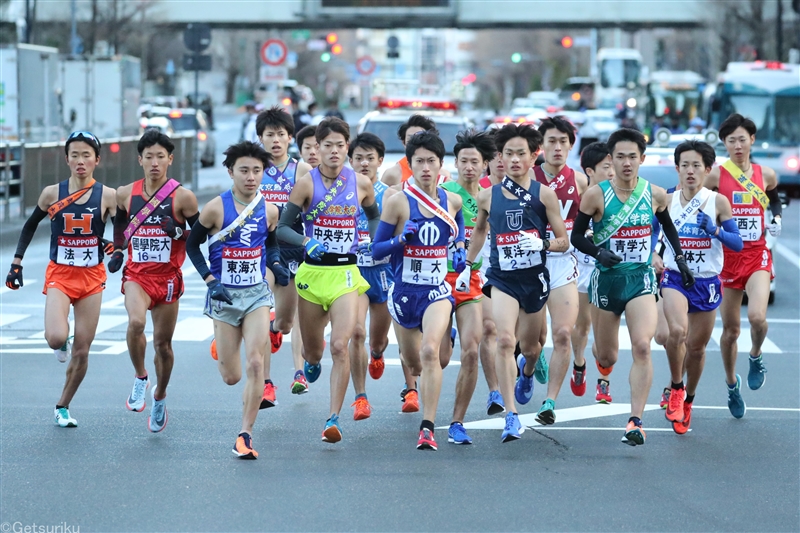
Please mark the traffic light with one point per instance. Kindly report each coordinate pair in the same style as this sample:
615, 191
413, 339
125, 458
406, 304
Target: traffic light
516, 57
325, 57
332, 38
567, 42
336, 49
469, 78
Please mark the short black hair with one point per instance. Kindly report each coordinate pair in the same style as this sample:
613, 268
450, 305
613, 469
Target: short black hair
482, 141
593, 155
526, 131
246, 149
332, 125
425, 139
704, 149
152, 137
83, 136
560, 123
734, 121
274, 117
626, 135
305, 133
368, 141
416, 121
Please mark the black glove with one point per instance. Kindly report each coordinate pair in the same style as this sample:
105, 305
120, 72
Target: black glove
281, 274
108, 246
218, 292
14, 278
686, 273
607, 258
168, 226
115, 263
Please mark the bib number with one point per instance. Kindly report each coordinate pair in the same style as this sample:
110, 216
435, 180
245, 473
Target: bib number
336, 234
511, 256
151, 249
750, 227
424, 265
632, 244
78, 251
241, 267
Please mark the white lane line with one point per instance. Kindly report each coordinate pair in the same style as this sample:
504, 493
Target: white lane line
105, 323
767, 347
10, 318
787, 254
114, 303
196, 329
556, 428
722, 408
30, 282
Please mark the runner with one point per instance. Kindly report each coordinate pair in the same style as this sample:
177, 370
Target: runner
78, 208
705, 223
307, 143
517, 280
151, 222
750, 188
242, 242
622, 211
401, 171
558, 136
329, 282
366, 155
415, 231
596, 163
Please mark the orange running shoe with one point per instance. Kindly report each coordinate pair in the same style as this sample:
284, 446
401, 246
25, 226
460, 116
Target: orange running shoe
674, 411
410, 401
376, 366
214, 349
244, 447
603, 391
634, 435
682, 427
268, 399
664, 398
275, 337
362, 408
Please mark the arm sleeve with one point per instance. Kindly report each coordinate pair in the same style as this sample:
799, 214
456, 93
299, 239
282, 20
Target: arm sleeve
196, 238
670, 232
462, 232
28, 230
729, 235
579, 239
385, 243
120, 223
775, 203
273, 249
190, 221
288, 217
655, 233
373, 218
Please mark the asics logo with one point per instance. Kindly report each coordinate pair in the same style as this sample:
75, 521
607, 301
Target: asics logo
349, 196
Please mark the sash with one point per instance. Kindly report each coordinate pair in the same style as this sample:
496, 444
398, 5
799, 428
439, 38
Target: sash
622, 215
333, 193
430, 204
694, 204
151, 205
745, 182
522, 194
228, 230
62, 204
286, 184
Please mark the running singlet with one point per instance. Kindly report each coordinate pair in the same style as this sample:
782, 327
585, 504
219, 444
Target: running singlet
422, 263
632, 240
239, 259
76, 230
470, 211
507, 218
363, 226
747, 211
569, 200
703, 253
336, 227
151, 251
276, 186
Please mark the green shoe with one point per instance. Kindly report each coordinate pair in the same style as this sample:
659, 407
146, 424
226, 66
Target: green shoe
64, 353
542, 370
547, 414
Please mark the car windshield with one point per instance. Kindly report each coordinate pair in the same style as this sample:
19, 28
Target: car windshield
619, 72
387, 131
787, 127
755, 107
184, 123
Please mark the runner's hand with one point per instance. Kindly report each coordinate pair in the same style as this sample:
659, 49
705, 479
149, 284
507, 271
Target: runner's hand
775, 227
314, 249
168, 226
409, 230
108, 246
115, 263
658, 264
460, 260
14, 278
530, 242
365, 247
686, 273
218, 292
607, 258
463, 279
706, 224
281, 274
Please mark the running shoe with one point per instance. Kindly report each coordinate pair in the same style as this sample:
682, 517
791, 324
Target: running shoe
453, 337
457, 434
136, 401
332, 433
213, 348
376, 366
664, 398
410, 400
547, 413
243, 448
603, 391
634, 435
513, 429
736, 403
523, 390
757, 374
426, 440
312, 372
158, 414
275, 337
674, 411
495, 405
63, 419
64, 353
542, 370
683, 426
299, 385
578, 381
361, 408
268, 398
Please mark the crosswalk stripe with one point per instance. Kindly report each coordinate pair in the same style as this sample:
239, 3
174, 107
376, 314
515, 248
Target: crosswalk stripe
10, 318
767, 347
193, 329
28, 283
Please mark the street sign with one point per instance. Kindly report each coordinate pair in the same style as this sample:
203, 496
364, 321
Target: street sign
582, 42
273, 52
198, 62
269, 73
316, 45
197, 37
365, 65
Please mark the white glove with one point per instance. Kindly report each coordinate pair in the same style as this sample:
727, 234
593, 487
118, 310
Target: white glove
530, 242
463, 279
775, 228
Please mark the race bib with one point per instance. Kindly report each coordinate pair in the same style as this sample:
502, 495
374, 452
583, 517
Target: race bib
696, 251
78, 251
274, 194
750, 222
150, 245
511, 256
366, 260
336, 234
424, 265
632, 244
241, 267
583, 258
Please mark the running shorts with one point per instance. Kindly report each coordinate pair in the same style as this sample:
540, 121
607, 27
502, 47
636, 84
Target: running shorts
75, 282
322, 285
292, 258
380, 278
475, 293
585, 270
739, 266
245, 301
529, 287
704, 295
563, 270
407, 307
161, 289
611, 291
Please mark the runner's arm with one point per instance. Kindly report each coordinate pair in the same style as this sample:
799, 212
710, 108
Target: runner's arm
728, 230
712, 180
552, 205
28, 230
579, 239
291, 212
385, 241
391, 176
670, 232
775, 205
207, 222
481, 228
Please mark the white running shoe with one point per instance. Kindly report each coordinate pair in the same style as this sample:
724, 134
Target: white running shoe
65, 352
136, 401
158, 414
63, 419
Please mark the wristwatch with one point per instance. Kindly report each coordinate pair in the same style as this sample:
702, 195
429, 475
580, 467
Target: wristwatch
546, 244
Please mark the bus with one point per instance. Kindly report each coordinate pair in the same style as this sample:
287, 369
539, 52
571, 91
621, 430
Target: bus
674, 98
620, 73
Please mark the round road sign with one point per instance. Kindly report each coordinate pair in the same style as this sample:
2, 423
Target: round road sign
273, 52
365, 65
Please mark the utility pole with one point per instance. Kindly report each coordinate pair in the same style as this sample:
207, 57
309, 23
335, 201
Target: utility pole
73, 36
779, 31
28, 21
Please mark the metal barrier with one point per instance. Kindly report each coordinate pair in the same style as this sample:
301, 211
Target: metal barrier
10, 177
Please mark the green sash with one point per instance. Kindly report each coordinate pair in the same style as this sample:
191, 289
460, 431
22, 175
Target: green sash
622, 215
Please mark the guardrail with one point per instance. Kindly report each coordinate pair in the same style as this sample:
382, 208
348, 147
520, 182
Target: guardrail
27, 168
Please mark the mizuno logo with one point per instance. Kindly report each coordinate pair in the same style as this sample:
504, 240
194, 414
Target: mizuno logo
91, 209
164, 206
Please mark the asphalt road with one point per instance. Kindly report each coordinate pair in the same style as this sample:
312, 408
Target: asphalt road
111, 474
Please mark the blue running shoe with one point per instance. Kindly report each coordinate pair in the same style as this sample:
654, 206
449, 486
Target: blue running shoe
453, 337
312, 372
757, 374
332, 433
457, 434
542, 370
547, 413
513, 429
523, 390
495, 405
736, 403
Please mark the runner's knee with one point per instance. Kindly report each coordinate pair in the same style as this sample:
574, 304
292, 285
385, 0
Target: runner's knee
562, 336
359, 334
757, 318
55, 340
136, 325
677, 333
641, 348
339, 348
506, 342
730, 333
231, 378
255, 366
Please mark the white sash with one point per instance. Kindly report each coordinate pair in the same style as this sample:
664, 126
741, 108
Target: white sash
431, 205
239, 221
689, 209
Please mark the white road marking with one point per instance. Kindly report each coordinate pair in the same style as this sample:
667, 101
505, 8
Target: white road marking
105, 323
28, 283
196, 329
787, 254
10, 318
744, 336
